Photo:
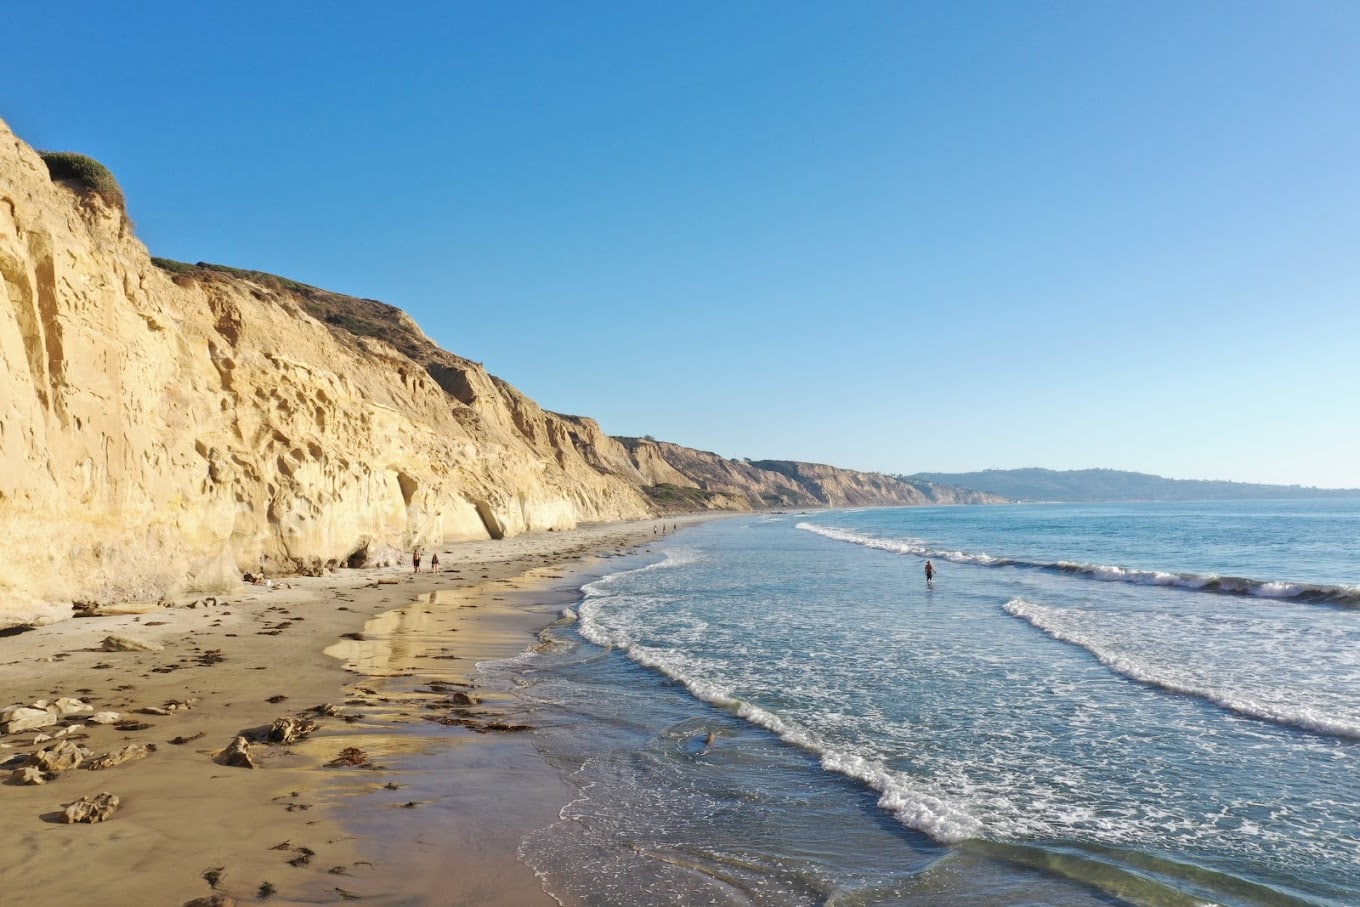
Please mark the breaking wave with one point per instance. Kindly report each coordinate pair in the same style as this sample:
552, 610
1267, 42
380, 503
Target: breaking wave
1075, 629
1309, 593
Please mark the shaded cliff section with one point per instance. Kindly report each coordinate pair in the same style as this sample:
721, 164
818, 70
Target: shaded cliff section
165, 427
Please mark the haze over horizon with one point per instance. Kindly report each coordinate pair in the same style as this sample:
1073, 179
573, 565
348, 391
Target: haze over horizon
890, 237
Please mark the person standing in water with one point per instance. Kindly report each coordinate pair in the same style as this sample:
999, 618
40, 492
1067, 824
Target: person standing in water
930, 573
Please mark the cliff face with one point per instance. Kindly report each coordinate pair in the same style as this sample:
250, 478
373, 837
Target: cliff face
158, 435
725, 484
164, 428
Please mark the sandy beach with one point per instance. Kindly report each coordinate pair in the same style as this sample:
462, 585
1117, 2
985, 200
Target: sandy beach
376, 659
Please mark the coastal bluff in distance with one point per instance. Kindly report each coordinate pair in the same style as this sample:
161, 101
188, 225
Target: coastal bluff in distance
166, 427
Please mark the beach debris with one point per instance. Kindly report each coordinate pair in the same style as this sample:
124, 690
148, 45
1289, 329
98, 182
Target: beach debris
17, 718
29, 774
481, 727
303, 854
98, 808
128, 644
171, 707
237, 754
60, 757
276, 699
326, 708
350, 755
294, 806
111, 609
211, 657
180, 741
502, 726
41, 714
357, 637
213, 876
267, 889
212, 900
67, 706
58, 733
105, 718
131, 725
129, 753
288, 730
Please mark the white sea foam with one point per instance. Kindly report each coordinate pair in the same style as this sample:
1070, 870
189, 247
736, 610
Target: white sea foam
911, 803
903, 546
1061, 625
597, 592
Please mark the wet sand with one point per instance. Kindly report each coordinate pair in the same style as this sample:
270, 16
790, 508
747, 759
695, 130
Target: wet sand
392, 654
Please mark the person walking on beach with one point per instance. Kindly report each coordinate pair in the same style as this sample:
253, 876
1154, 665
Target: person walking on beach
434, 562
930, 573
415, 559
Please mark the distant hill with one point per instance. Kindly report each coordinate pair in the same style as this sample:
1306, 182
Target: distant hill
1080, 485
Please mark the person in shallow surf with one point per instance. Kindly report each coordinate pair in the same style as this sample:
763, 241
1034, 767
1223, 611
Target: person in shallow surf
930, 573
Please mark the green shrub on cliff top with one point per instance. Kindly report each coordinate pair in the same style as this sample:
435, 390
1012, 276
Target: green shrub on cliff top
87, 172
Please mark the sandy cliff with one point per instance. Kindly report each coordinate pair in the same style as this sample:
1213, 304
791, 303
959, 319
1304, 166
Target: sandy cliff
732, 484
160, 434
165, 427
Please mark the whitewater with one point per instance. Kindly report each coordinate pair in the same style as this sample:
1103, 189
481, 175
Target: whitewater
1130, 704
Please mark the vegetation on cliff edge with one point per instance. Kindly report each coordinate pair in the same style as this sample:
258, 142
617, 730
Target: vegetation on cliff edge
86, 173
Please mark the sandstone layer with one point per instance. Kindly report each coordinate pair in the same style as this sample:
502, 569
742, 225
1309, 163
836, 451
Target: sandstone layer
165, 428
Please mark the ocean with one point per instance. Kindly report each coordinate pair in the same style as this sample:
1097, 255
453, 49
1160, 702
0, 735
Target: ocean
1149, 704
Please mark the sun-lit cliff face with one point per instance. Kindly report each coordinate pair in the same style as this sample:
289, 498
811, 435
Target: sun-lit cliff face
158, 435
165, 427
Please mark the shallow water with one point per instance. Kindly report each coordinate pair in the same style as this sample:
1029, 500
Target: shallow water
1144, 704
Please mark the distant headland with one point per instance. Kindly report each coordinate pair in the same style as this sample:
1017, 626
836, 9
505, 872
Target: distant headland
1090, 485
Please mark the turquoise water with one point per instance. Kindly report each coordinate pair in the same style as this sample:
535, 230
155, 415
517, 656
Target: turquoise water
1115, 704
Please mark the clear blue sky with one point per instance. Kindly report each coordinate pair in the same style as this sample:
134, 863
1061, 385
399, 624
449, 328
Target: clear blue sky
891, 236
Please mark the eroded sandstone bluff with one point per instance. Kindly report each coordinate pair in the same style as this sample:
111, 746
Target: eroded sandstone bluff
164, 427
